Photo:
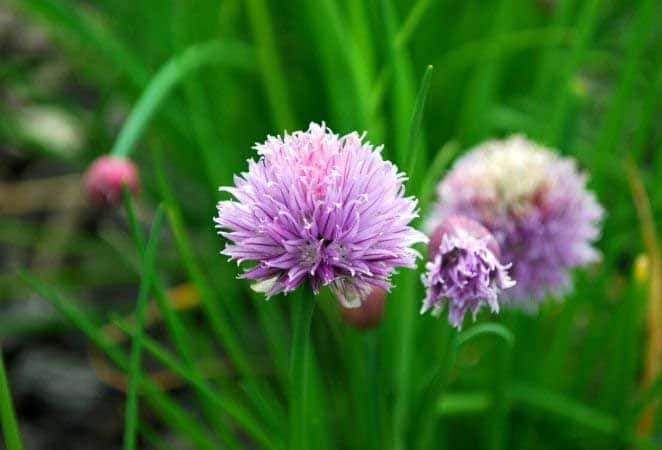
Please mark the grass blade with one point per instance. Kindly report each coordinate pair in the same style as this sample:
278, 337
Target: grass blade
131, 417
415, 126
411, 22
653, 350
549, 401
618, 109
211, 305
82, 29
234, 409
434, 174
169, 411
587, 23
460, 404
170, 74
403, 83
482, 87
408, 283
7, 414
272, 71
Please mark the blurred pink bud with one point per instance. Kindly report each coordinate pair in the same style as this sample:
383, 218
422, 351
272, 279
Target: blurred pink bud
105, 178
369, 314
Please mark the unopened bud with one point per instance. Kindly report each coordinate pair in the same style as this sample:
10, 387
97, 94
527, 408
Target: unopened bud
369, 314
105, 178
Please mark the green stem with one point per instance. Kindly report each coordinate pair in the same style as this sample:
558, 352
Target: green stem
415, 126
373, 390
497, 425
408, 280
439, 382
217, 315
135, 375
400, 66
299, 419
168, 76
435, 391
483, 86
173, 324
9, 424
563, 99
416, 13
273, 75
613, 124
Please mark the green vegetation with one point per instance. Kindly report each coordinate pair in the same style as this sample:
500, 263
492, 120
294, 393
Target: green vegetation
198, 83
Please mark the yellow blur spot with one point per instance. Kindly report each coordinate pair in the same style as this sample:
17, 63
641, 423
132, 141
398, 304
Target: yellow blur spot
579, 87
184, 296
641, 268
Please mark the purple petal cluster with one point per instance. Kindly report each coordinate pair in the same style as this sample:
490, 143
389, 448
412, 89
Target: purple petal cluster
537, 206
322, 208
464, 271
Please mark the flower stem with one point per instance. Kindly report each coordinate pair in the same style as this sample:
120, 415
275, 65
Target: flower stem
428, 414
497, 419
299, 419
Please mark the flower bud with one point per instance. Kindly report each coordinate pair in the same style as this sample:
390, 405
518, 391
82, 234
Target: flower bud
105, 178
463, 271
369, 314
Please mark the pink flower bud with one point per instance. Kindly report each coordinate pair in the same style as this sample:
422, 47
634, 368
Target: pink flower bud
105, 178
369, 314
464, 272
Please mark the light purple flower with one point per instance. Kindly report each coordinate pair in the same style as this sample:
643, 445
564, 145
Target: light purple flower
464, 271
322, 208
536, 205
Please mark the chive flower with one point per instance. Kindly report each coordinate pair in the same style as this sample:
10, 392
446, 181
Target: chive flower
105, 178
536, 205
464, 272
320, 208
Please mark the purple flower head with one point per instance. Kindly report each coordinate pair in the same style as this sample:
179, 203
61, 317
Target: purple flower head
464, 271
536, 205
322, 208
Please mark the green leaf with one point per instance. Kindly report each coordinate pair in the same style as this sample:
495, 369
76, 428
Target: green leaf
171, 73
271, 68
411, 22
434, 174
413, 145
454, 404
7, 414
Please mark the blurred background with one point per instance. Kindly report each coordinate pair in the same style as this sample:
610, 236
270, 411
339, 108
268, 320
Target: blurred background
583, 77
